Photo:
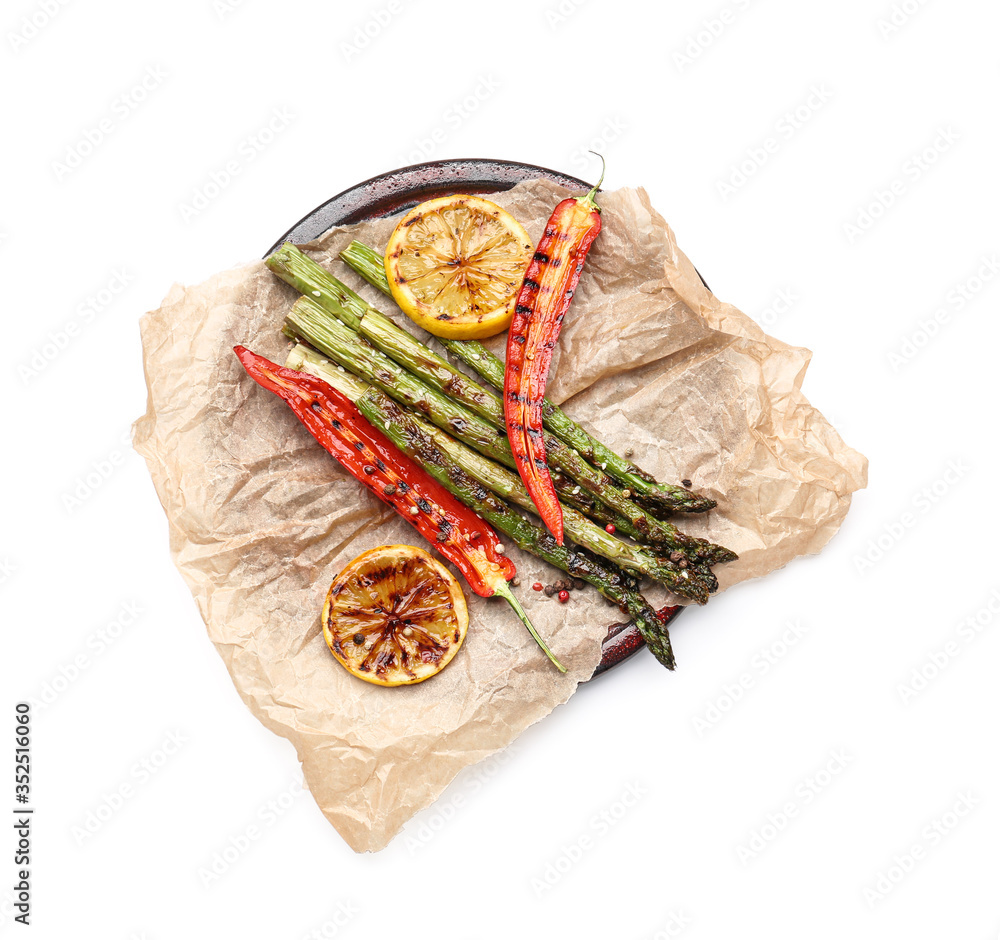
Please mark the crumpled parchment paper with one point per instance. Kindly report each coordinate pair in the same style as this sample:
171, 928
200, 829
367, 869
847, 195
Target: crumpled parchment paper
261, 518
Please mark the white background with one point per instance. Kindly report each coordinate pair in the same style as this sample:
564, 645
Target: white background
678, 97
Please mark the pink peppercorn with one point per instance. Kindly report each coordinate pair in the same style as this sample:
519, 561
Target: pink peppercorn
563, 597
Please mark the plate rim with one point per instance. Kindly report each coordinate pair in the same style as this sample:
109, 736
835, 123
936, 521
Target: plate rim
416, 168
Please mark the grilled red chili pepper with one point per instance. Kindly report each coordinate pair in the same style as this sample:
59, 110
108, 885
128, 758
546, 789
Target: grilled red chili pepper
542, 303
373, 460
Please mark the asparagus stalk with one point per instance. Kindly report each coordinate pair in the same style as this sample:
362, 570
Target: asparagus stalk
405, 431
325, 292
508, 485
311, 323
369, 264
572, 495
621, 507
315, 326
383, 334
303, 359
653, 530
579, 528
314, 281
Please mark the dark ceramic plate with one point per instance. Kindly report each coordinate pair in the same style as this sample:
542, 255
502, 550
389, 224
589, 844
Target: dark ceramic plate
400, 190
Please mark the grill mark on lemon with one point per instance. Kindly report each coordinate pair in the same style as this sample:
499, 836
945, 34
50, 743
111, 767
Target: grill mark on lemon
407, 609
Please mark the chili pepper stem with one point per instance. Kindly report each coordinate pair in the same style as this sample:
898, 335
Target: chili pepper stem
503, 591
588, 201
614, 583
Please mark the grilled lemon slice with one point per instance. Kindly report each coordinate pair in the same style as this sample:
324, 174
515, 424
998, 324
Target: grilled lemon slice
455, 266
395, 616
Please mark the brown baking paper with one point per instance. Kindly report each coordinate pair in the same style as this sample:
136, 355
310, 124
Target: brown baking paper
261, 518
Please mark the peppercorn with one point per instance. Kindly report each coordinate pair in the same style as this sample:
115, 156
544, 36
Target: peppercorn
610, 528
549, 590
537, 586
563, 597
